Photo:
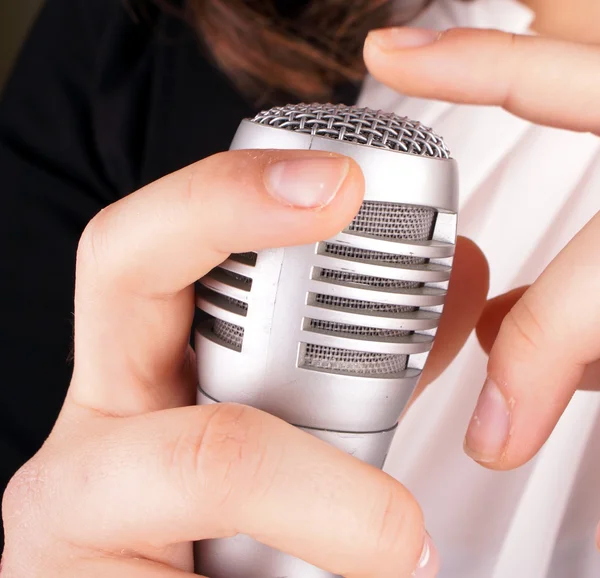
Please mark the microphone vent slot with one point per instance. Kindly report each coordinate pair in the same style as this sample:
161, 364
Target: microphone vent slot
334, 359
349, 252
239, 304
245, 258
357, 304
393, 221
382, 220
241, 279
342, 276
219, 292
343, 328
232, 335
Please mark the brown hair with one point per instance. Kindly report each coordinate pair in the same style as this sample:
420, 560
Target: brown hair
304, 54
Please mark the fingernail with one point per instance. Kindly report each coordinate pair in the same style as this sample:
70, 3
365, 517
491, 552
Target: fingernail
429, 564
307, 183
398, 38
490, 425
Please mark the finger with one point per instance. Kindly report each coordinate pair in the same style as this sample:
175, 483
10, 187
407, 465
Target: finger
546, 81
490, 322
467, 293
493, 315
138, 259
122, 568
591, 377
180, 475
539, 357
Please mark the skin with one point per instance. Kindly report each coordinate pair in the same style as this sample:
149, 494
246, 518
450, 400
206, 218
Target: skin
576, 21
128, 436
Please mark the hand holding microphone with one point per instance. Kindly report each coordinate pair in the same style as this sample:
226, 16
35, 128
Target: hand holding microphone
130, 475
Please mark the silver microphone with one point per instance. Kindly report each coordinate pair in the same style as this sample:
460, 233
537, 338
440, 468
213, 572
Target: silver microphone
333, 336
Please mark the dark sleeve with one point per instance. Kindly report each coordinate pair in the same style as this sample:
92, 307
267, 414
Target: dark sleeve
52, 182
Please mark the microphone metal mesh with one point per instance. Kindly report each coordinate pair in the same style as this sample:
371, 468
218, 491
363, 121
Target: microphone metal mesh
353, 362
365, 279
366, 255
229, 333
343, 328
240, 278
381, 220
393, 221
363, 126
359, 305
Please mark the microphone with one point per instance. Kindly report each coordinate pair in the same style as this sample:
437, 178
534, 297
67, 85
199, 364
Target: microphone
333, 336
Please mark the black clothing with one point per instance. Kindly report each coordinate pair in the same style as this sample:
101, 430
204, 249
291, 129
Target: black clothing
101, 102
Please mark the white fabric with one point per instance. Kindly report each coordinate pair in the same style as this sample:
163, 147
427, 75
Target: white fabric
525, 191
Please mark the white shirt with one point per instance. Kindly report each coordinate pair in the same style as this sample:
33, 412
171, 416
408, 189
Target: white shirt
525, 191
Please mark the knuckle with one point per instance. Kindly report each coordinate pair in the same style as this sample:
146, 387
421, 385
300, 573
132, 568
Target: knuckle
399, 528
524, 322
24, 499
201, 176
29, 526
226, 454
92, 242
509, 67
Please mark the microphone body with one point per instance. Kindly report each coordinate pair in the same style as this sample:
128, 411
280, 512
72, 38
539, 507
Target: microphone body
332, 336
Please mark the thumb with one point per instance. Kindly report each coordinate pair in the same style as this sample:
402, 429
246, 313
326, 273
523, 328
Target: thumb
139, 258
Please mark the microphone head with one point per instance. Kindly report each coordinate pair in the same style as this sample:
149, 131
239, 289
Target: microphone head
334, 335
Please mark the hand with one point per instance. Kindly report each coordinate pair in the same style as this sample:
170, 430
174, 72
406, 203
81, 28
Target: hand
130, 475
544, 341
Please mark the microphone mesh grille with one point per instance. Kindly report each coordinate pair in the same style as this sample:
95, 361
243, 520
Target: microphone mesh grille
375, 219
328, 327
368, 255
355, 362
359, 305
231, 334
393, 221
381, 220
363, 126
365, 279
